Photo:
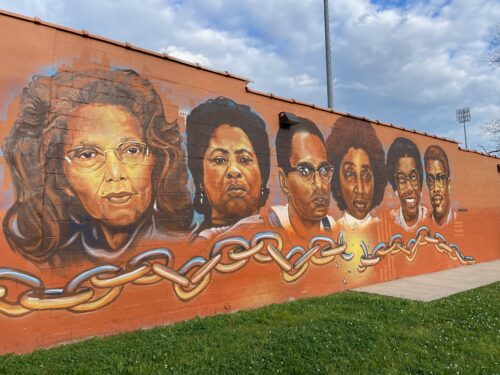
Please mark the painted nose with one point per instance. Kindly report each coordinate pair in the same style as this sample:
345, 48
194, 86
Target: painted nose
115, 169
316, 179
233, 171
359, 187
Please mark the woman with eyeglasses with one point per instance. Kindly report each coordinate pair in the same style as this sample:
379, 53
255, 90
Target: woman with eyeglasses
405, 174
359, 177
96, 167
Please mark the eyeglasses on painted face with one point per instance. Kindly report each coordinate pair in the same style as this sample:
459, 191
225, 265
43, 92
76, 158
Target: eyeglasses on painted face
307, 171
92, 157
438, 179
402, 178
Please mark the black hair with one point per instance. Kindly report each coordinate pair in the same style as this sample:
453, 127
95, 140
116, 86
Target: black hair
200, 126
434, 152
400, 148
353, 133
284, 140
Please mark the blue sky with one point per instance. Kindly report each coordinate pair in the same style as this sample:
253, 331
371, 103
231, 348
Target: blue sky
410, 63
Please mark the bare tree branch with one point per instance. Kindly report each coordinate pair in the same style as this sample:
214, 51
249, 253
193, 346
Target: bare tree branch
494, 57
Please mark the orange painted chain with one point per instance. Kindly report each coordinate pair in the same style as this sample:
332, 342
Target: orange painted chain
99, 286
395, 245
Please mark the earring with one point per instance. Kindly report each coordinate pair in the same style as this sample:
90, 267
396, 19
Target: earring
201, 194
262, 190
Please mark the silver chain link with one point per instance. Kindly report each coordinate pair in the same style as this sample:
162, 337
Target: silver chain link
99, 286
396, 245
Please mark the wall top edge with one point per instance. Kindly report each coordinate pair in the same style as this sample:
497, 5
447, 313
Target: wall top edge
479, 153
331, 110
85, 34
126, 45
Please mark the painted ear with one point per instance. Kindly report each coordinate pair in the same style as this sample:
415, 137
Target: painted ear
283, 181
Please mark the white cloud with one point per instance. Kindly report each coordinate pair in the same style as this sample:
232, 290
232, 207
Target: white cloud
411, 66
183, 54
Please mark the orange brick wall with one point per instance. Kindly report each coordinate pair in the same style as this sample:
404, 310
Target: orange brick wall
137, 191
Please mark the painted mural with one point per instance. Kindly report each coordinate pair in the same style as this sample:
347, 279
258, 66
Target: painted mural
99, 173
137, 191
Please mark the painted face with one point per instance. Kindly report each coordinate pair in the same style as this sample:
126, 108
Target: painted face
408, 188
439, 188
307, 185
232, 180
108, 164
357, 183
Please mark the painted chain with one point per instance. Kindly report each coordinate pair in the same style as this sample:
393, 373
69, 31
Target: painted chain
99, 286
396, 245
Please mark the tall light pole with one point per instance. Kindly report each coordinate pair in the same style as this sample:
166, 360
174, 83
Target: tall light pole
463, 116
328, 55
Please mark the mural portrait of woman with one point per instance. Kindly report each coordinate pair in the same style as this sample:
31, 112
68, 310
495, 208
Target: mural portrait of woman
96, 167
359, 176
228, 150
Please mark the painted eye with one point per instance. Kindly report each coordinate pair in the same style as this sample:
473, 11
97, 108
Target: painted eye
366, 175
441, 178
304, 171
323, 171
86, 154
349, 174
245, 160
133, 150
413, 177
219, 160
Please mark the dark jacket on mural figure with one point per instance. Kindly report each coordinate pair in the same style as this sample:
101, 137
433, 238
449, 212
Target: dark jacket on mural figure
95, 167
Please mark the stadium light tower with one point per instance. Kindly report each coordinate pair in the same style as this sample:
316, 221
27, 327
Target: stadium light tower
328, 55
463, 116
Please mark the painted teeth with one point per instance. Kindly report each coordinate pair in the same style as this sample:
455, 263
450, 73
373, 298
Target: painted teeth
410, 200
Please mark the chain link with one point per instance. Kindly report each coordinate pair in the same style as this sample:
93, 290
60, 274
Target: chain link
396, 245
99, 286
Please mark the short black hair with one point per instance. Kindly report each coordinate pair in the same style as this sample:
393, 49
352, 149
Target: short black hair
400, 148
349, 133
435, 152
200, 126
284, 140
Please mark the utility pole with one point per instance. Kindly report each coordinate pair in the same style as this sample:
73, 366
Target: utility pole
328, 55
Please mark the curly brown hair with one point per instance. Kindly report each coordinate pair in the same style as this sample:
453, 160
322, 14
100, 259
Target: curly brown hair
38, 223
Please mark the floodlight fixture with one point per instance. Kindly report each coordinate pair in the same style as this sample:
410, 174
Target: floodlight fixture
463, 116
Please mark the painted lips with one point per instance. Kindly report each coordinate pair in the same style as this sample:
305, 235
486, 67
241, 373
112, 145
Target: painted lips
411, 202
436, 200
320, 200
236, 190
359, 205
119, 198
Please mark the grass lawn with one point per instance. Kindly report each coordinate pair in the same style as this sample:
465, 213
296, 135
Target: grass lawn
348, 333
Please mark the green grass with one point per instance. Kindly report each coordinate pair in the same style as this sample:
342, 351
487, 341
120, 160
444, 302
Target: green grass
351, 333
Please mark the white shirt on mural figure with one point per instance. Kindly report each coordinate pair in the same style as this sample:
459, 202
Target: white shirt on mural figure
397, 215
350, 222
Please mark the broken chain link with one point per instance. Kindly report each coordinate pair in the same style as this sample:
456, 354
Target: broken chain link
396, 245
99, 286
